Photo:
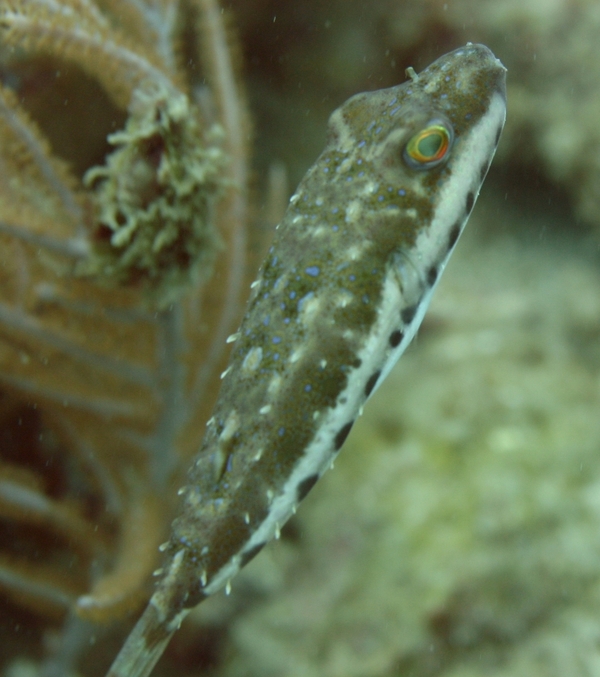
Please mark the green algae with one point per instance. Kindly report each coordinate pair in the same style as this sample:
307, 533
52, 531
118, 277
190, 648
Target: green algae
155, 198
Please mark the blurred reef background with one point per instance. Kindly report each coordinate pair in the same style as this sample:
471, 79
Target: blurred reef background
459, 533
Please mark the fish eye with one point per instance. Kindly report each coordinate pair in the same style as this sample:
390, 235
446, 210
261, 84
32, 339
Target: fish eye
430, 146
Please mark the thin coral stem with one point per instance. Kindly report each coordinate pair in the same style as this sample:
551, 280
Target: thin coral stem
34, 587
120, 589
71, 248
47, 292
234, 210
154, 23
105, 408
40, 157
28, 505
76, 636
172, 373
99, 469
75, 8
118, 68
18, 321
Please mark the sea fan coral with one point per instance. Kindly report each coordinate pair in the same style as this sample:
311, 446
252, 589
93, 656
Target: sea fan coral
123, 269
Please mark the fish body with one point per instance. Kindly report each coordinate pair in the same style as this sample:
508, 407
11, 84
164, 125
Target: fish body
343, 289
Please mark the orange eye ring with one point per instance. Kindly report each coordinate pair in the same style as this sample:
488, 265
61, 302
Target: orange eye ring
430, 146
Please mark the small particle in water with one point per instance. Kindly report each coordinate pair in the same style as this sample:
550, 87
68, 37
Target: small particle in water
313, 271
276, 339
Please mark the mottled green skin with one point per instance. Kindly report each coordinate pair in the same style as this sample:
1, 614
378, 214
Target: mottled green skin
316, 301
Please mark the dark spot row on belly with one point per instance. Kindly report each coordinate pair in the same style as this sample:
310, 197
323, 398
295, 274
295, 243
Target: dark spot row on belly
341, 436
305, 486
396, 338
407, 315
454, 233
432, 274
469, 202
372, 382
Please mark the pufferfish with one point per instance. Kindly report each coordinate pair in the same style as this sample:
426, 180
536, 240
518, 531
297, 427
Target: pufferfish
342, 292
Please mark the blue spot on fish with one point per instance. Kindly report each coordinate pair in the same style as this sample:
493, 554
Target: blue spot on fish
313, 271
276, 339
